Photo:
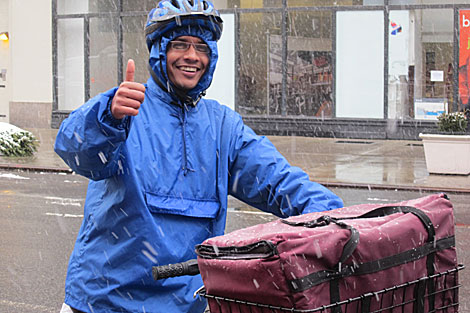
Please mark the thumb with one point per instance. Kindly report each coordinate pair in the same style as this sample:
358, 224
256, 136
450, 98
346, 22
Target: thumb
130, 71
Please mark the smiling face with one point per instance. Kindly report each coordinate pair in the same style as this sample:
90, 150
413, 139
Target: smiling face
186, 67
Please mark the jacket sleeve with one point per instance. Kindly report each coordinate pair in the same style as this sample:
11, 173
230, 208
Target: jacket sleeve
90, 139
262, 177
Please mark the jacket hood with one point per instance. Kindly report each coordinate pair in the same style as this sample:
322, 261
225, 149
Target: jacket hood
158, 60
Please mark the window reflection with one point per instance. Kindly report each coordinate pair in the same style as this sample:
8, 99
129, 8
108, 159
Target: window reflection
420, 54
103, 54
255, 31
314, 3
309, 65
138, 5
92, 6
247, 4
135, 46
70, 63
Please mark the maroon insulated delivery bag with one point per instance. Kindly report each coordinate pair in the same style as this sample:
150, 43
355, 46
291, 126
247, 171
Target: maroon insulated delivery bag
316, 259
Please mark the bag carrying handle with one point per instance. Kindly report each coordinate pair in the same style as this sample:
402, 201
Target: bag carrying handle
388, 210
353, 241
325, 220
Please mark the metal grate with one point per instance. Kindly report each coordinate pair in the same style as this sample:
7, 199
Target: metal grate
435, 293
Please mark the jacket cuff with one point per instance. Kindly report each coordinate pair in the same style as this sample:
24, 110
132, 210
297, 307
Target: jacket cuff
106, 115
109, 119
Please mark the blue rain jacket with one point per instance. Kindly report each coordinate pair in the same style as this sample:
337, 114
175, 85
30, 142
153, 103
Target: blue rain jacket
158, 186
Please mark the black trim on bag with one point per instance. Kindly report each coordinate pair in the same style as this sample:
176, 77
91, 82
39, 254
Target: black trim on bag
258, 250
304, 283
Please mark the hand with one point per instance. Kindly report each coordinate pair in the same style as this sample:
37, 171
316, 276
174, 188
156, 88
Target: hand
129, 96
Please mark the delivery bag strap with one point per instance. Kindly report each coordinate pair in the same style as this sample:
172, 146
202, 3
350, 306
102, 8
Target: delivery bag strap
428, 225
348, 249
352, 243
386, 210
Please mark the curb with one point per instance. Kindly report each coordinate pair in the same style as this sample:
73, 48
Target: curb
324, 183
35, 168
395, 187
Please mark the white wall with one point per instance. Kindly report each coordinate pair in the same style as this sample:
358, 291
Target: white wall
4, 61
31, 51
222, 88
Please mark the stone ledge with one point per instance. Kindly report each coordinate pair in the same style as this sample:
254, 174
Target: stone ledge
31, 114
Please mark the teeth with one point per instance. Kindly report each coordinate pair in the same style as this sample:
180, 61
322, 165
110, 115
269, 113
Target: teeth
188, 69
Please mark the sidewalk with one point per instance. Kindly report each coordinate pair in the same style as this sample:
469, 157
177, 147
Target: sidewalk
375, 164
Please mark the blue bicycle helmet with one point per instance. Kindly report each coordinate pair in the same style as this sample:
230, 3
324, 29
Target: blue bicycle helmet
176, 13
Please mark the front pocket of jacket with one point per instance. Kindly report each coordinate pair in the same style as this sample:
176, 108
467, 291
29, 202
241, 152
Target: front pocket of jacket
180, 206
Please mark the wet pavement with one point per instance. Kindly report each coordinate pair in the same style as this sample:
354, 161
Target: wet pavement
368, 164
373, 164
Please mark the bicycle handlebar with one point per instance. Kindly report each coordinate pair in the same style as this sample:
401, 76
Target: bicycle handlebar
189, 267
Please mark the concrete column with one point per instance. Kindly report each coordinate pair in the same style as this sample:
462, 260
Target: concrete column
4, 62
30, 76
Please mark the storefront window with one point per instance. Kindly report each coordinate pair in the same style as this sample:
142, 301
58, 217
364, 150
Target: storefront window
135, 46
91, 6
247, 4
421, 71
70, 59
309, 69
103, 54
72, 6
147, 5
316, 3
138, 5
256, 33
429, 2
420, 54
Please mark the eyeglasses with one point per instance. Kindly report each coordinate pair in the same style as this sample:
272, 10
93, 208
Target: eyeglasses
184, 46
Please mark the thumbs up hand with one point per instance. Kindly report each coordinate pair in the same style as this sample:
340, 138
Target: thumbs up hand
129, 96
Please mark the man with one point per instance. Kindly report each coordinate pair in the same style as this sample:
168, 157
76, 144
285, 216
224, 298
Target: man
162, 161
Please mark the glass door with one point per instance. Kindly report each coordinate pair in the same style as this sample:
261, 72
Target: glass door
421, 74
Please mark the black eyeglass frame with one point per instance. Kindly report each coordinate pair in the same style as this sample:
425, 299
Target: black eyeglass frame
184, 46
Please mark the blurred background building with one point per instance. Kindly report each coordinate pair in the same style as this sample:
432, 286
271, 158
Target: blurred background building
332, 68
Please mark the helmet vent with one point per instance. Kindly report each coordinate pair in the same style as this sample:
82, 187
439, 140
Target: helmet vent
171, 13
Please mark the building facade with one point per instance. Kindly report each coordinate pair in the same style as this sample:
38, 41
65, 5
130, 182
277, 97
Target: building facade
333, 68
26, 82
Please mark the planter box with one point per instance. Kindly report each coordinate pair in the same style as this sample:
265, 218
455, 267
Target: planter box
447, 154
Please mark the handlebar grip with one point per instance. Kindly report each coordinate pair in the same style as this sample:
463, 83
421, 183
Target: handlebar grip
189, 267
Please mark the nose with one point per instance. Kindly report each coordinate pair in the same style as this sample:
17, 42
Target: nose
191, 53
